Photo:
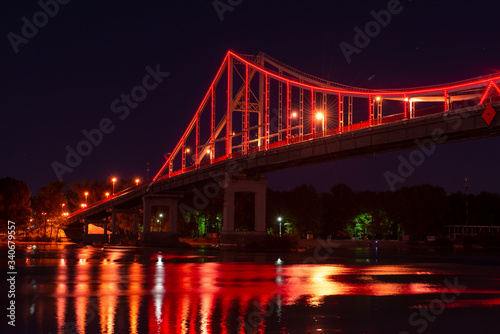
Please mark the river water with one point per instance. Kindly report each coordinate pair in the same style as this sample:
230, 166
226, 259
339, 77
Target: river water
69, 289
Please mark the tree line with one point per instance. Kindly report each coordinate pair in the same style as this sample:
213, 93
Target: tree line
43, 215
417, 211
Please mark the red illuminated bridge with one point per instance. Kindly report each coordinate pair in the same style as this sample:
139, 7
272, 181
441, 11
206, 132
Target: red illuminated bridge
260, 115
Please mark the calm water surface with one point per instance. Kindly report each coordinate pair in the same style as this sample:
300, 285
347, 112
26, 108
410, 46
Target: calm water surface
63, 289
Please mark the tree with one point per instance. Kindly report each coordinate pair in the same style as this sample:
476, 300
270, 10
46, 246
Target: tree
14, 204
339, 208
96, 191
305, 210
373, 225
48, 208
421, 210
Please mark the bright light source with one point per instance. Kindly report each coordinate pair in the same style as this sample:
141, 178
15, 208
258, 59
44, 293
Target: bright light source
208, 151
406, 99
294, 114
107, 195
378, 98
319, 116
161, 215
187, 150
137, 181
113, 180
279, 219
86, 193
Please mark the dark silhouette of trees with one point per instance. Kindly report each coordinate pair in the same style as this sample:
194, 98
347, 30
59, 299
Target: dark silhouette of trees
339, 208
48, 210
305, 210
420, 210
14, 204
417, 211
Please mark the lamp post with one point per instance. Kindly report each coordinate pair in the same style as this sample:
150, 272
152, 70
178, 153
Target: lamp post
279, 221
137, 182
106, 194
321, 117
86, 198
114, 181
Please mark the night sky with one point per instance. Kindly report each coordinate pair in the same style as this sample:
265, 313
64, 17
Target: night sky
63, 78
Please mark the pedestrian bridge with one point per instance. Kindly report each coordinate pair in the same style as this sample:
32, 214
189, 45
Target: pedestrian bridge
260, 116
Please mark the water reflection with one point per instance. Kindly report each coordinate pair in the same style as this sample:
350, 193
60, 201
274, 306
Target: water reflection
81, 293
96, 290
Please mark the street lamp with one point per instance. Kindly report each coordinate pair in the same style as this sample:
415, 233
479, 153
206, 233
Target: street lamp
279, 221
114, 181
107, 195
137, 182
321, 117
294, 114
86, 197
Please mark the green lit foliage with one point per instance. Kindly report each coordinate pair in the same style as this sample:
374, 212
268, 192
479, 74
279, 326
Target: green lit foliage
359, 226
372, 225
287, 226
198, 224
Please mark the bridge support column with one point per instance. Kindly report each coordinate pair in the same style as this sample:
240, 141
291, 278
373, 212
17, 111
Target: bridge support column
161, 238
244, 238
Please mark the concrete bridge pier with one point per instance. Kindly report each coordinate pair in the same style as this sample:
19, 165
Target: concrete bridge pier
170, 237
240, 239
91, 238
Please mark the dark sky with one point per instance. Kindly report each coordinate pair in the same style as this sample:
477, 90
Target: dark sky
64, 78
